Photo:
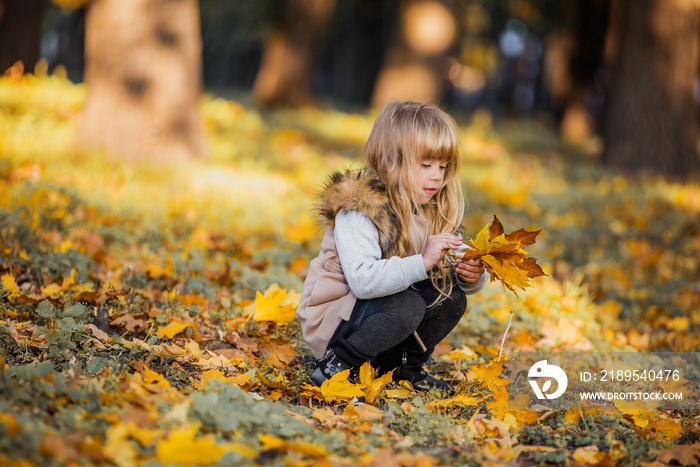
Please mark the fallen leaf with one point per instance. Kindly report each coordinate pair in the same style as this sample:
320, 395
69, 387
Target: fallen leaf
371, 386
683, 455
460, 400
11, 426
7, 282
182, 447
488, 373
272, 442
151, 377
588, 455
276, 305
172, 329
664, 429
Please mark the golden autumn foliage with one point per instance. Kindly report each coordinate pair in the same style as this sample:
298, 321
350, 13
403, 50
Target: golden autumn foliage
503, 255
147, 313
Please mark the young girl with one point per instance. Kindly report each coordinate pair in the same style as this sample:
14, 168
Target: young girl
381, 289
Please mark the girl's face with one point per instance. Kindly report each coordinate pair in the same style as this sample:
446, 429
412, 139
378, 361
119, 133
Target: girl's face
430, 176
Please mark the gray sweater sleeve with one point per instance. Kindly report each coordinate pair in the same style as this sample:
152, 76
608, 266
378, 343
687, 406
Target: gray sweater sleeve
368, 275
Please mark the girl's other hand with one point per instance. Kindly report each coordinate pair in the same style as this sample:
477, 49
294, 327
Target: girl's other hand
469, 271
437, 246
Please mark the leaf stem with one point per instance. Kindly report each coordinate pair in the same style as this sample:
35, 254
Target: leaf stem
500, 350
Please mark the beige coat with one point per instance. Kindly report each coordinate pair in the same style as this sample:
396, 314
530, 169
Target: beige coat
326, 298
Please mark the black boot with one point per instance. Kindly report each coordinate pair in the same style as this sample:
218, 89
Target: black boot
328, 366
420, 379
408, 366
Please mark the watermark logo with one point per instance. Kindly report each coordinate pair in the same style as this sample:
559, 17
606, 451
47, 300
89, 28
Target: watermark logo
543, 370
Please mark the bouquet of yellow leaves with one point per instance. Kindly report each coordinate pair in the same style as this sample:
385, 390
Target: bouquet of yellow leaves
503, 255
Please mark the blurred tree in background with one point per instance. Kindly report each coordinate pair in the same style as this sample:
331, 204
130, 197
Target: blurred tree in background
20, 31
414, 64
651, 119
577, 58
290, 54
623, 70
143, 72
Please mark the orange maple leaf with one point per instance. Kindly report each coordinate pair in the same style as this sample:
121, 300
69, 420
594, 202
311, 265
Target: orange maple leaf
503, 256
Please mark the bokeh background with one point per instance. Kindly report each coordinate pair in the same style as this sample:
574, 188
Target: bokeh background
159, 165
617, 78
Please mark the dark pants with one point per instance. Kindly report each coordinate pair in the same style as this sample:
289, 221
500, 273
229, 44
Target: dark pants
381, 329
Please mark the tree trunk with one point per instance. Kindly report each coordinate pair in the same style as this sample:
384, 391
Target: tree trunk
289, 58
573, 61
356, 42
20, 32
414, 68
651, 121
143, 74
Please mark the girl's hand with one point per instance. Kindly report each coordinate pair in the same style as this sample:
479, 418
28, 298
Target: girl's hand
437, 246
469, 271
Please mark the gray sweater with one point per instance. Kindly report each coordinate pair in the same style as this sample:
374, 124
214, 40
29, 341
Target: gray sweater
370, 276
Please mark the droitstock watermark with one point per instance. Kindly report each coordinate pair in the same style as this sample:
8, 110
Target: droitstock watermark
634, 380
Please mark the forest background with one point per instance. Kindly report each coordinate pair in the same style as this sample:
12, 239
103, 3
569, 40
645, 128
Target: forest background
159, 162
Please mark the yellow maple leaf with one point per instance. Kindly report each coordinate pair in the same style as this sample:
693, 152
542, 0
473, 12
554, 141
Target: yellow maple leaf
168, 350
8, 283
117, 446
363, 411
146, 437
465, 353
638, 412
272, 442
150, 377
172, 329
666, 429
460, 400
372, 386
510, 276
499, 405
276, 305
488, 373
338, 388
679, 323
157, 272
51, 289
55, 289
182, 447
193, 349
68, 281
573, 415
11, 426
588, 455
503, 256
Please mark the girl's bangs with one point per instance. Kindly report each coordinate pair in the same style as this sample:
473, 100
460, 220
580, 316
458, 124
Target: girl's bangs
439, 147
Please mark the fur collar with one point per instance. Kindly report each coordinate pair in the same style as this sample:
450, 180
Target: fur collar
361, 190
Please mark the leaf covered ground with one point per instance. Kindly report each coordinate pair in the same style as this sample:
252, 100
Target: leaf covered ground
147, 313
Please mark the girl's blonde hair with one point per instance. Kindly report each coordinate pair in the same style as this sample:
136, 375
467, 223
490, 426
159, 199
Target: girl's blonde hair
404, 135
